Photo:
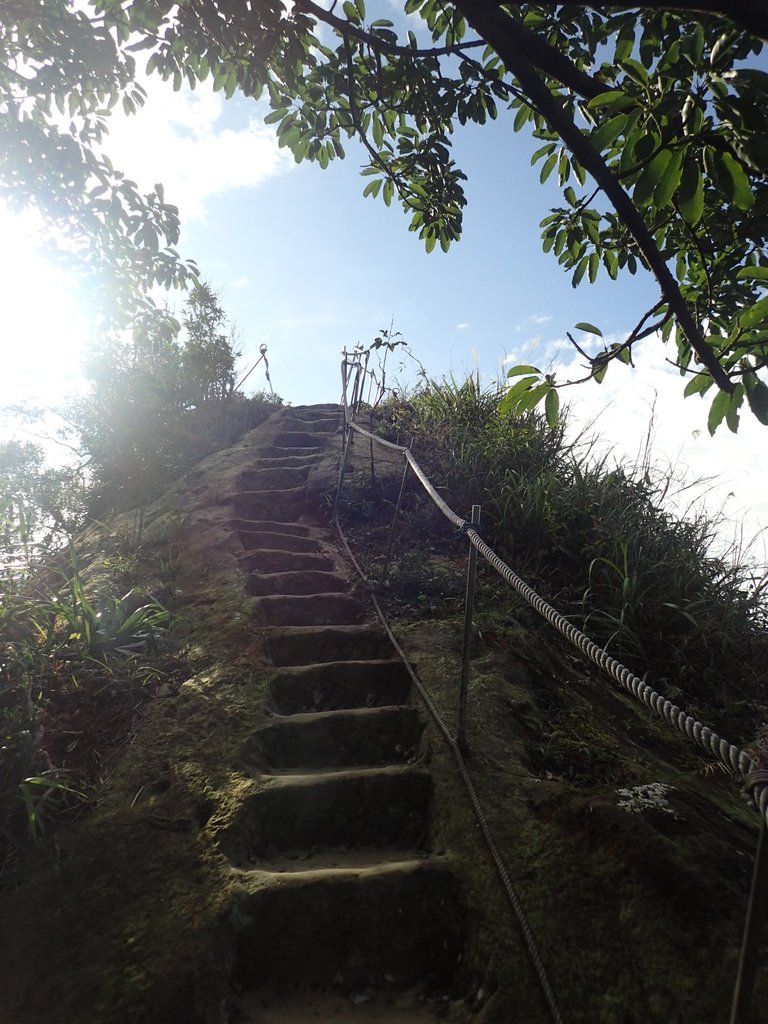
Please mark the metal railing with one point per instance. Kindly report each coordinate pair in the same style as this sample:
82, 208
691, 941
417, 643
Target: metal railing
735, 759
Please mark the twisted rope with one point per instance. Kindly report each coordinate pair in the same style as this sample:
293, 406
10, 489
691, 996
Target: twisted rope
514, 899
734, 758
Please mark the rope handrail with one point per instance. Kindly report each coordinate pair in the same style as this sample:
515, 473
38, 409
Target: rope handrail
485, 828
733, 758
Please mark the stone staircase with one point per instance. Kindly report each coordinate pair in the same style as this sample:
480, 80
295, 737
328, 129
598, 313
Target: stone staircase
344, 911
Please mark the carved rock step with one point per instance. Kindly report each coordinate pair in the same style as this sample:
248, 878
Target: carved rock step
311, 645
387, 926
412, 1007
283, 504
339, 684
312, 610
279, 560
289, 460
337, 739
314, 452
318, 425
300, 439
292, 814
259, 526
293, 583
271, 478
258, 540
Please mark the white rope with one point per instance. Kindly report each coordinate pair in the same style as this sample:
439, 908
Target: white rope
733, 758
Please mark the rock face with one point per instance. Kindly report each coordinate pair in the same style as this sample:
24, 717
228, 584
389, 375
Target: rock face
265, 850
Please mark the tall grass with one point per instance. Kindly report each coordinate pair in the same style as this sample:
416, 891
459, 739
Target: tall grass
596, 536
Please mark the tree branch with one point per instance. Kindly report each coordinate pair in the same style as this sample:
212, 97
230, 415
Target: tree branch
347, 28
490, 22
751, 15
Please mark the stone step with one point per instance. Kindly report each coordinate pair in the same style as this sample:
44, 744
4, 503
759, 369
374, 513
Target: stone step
274, 451
335, 685
336, 860
292, 814
311, 645
389, 926
259, 526
284, 504
360, 737
317, 425
312, 610
271, 478
258, 541
290, 461
415, 1006
308, 582
299, 439
271, 560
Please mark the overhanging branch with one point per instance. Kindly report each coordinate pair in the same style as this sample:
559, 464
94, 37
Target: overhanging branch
490, 22
751, 15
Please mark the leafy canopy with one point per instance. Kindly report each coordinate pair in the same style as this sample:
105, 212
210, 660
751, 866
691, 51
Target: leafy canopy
654, 121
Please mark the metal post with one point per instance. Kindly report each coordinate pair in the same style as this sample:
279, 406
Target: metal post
469, 602
347, 440
750, 946
394, 520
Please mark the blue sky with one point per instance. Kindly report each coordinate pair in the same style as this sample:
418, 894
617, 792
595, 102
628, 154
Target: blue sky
306, 265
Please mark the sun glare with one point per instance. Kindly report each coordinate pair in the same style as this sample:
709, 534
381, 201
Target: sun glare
42, 331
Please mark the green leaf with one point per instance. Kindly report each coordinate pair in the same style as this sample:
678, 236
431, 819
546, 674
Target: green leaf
350, 11
757, 396
732, 415
670, 180
549, 166
580, 271
635, 70
698, 385
691, 195
521, 117
614, 100
741, 194
594, 266
718, 410
753, 274
552, 407
755, 314
608, 131
651, 176
588, 328
532, 398
517, 371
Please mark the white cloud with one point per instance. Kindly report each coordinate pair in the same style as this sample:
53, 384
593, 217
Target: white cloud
462, 326
533, 320
623, 406
177, 138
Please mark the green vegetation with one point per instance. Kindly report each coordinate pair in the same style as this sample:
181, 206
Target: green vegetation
75, 662
593, 535
160, 401
654, 122
82, 645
